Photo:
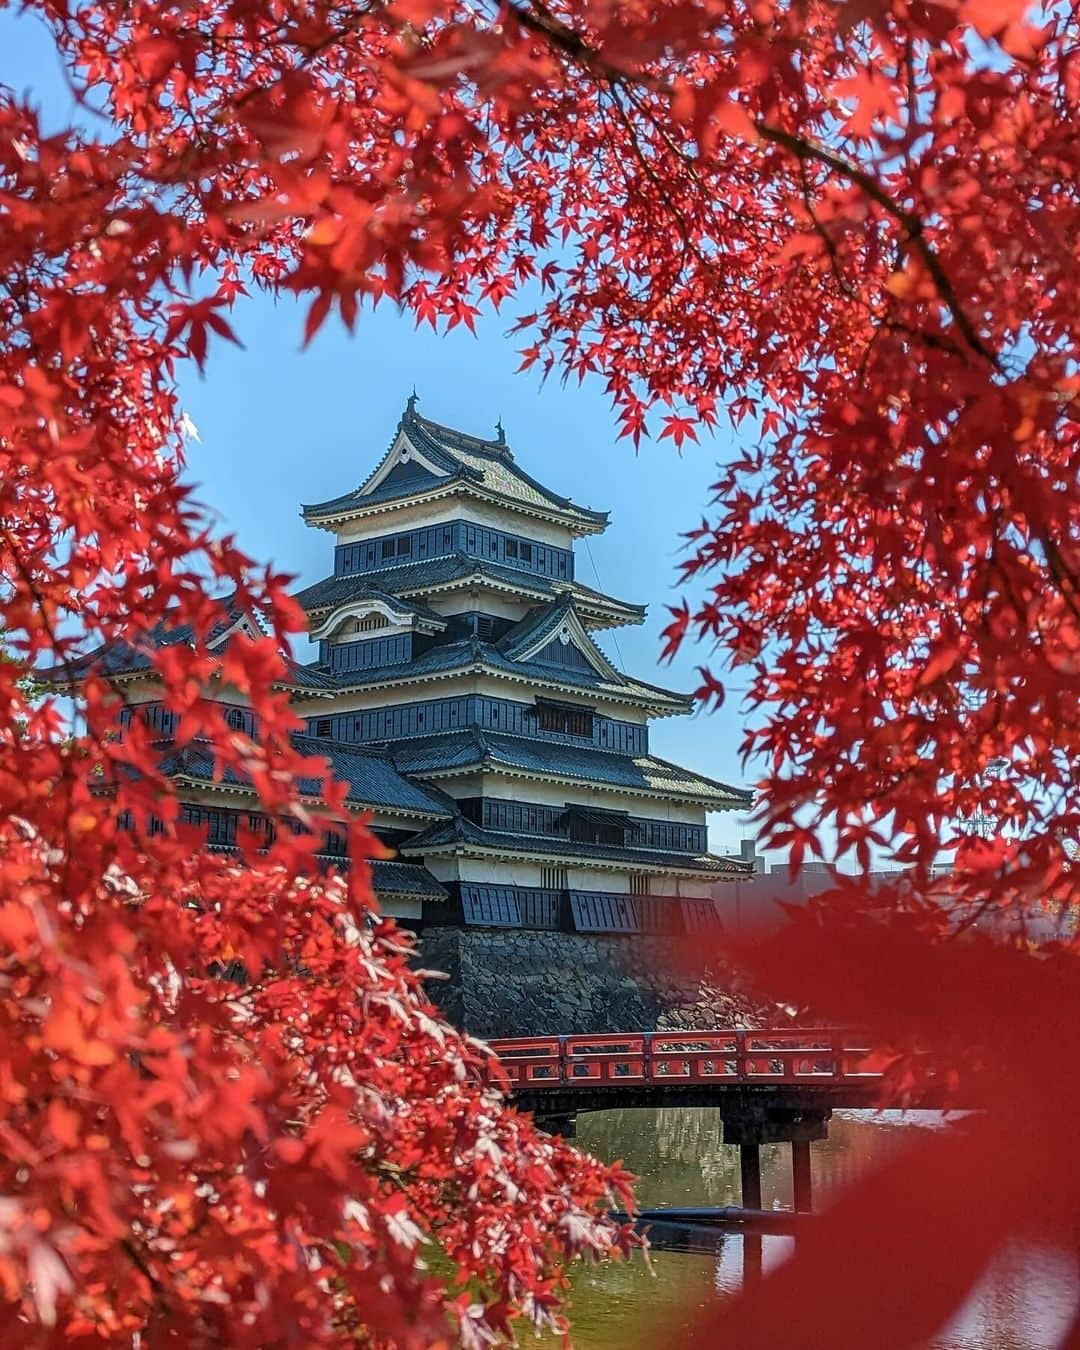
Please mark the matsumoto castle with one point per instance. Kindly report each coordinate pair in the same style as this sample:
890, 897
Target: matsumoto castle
459, 692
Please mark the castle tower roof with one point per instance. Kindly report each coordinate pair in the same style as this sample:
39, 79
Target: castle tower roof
427, 460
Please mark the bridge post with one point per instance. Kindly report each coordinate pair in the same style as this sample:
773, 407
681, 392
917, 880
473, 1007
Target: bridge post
562, 1127
750, 1166
801, 1177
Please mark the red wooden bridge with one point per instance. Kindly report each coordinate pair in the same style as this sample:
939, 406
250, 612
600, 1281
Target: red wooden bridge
717, 1059
767, 1085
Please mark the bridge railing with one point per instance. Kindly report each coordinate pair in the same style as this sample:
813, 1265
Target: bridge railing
661, 1058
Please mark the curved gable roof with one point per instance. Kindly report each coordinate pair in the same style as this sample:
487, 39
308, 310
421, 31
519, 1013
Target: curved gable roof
487, 465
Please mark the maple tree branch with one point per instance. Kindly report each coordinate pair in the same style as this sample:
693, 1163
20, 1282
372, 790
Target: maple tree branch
804, 149
538, 19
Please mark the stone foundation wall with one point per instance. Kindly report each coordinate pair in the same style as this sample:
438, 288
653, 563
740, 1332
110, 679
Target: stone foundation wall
518, 983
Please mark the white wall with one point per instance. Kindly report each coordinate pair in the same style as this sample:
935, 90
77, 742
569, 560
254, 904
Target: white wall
499, 872
413, 516
555, 794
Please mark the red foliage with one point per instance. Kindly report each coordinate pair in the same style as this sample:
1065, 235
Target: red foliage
853, 227
187, 1158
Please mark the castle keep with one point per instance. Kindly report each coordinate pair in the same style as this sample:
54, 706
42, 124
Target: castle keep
543, 852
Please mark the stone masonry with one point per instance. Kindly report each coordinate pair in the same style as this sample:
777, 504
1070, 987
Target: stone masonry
526, 983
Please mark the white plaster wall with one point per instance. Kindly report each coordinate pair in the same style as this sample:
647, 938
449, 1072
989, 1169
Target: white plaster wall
151, 691
239, 801
554, 794
493, 872
481, 598
412, 516
402, 909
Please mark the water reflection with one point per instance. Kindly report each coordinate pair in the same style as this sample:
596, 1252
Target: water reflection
678, 1156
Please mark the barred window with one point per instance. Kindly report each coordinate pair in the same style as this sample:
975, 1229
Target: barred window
564, 720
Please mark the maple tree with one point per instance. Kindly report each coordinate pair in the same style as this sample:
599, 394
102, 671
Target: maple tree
851, 229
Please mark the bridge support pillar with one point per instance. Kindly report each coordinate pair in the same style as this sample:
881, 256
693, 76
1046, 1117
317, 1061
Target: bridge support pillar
801, 1178
750, 1164
563, 1126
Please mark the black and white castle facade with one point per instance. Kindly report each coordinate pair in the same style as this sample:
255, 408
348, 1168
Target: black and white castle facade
460, 693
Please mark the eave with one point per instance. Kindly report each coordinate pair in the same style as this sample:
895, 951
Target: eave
456, 487
153, 675
354, 806
707, 801
658, 707
646, 867
600, 613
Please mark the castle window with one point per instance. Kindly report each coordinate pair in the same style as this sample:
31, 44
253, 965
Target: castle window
553, 878
564, 719
389, 547
485, 627
372, 621
323, 726
510, 548
404, 546
526, 553
639, 884
594, 825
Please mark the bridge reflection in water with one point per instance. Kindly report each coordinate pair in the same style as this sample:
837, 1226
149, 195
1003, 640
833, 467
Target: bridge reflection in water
680, 1159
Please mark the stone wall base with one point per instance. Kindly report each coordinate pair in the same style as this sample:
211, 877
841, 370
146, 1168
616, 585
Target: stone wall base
514, 982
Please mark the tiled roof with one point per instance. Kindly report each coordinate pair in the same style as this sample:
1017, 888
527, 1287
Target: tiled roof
118, 659
488, 464
307, 677
470, 654
460, 831
475, 749
373, 779
333, 591
544, 621
542, 624
416, 578
410, 880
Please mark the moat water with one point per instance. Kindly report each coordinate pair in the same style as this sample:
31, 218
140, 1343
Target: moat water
1026, 1302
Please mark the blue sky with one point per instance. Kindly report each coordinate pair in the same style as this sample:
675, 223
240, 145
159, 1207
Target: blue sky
278, 426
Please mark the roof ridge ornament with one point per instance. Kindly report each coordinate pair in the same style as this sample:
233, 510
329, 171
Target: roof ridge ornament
500, 433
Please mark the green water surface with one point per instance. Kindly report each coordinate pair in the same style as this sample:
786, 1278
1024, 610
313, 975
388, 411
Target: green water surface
679, 1159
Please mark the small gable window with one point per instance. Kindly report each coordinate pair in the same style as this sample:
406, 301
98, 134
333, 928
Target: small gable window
370, 622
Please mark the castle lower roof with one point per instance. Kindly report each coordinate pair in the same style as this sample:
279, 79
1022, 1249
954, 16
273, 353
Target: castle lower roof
472, 750
123, 660
430, 575
394, 880
461, 835
472, 656
374, 781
